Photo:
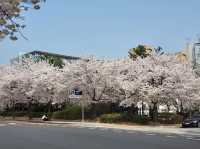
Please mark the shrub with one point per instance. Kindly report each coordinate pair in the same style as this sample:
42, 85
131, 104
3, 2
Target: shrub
140, 119
169, 118
111, 118
17, 114
71, 112
37, 114
123, 117
97, 109
59, 115
126, 117
22, 114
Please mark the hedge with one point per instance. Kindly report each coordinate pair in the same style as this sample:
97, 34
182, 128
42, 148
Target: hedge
71, 112
123, 117
169, 118
111, 118
22, 114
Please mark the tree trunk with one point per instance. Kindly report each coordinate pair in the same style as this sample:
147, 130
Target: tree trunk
94, 110
150, 112
181, 108
155, 112
142, 108
13, 110
49, 109
168, 107
29, 110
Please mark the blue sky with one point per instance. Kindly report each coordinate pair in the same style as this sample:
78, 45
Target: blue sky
106, 28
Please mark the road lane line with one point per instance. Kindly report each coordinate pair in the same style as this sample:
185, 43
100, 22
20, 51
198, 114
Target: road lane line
150, 134
197, 139
11, 123
1, 125
92, 128
103, 129
170, 136
131, 132
189, 138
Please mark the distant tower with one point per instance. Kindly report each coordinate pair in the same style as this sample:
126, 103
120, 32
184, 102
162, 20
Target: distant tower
196, 54
188, 50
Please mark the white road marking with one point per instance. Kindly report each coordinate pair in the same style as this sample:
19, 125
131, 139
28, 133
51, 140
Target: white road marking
92, 128
103, 129
1, 125
170, 136
118, 131
150, 134
11, 123
189, 138
130, 132
80, 127
197, 139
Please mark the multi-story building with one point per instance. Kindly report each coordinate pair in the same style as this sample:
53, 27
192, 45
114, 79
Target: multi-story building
41, 54
196, 55
192, 53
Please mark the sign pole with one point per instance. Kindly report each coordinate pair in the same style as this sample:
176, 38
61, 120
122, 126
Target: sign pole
79, 94
83, 110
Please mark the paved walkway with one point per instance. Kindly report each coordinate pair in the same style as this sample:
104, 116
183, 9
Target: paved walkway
175, 129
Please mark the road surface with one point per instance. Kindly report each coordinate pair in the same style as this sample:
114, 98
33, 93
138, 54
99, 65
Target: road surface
51, 137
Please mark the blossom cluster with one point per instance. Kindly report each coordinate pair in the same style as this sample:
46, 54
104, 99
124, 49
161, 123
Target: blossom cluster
155, 80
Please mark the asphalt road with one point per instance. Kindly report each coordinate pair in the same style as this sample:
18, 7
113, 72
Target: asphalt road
48, 137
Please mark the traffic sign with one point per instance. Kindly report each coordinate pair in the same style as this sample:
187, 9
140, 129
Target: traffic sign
76, 91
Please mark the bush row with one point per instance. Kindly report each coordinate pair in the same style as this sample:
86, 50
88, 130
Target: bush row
101, 111
21, 114
123, 117
72, 112
163, 118
169, 118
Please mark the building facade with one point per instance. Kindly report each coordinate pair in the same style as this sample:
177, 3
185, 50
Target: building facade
42, 55
191, 53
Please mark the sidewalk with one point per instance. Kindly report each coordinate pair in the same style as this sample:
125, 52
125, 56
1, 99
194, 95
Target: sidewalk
175, 129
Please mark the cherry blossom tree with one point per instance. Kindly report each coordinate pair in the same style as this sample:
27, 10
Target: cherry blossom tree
154, 79
41, 78
157, 80
91, 76
11, 18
